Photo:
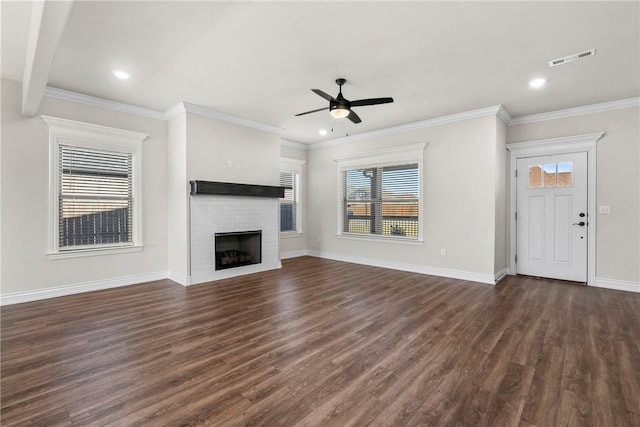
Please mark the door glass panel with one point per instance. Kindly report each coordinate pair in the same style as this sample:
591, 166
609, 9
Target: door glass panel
549, 175
535, 178
565, 174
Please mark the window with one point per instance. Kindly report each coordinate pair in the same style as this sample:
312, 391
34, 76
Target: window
380, 194
290, 206
551, 175
94, 202
289, 203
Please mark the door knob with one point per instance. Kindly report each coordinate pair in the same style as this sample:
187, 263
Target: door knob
581, 214
581, 223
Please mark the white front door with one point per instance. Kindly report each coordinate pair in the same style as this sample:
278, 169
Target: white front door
552, 217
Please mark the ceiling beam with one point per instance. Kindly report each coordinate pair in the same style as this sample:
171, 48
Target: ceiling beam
48, 19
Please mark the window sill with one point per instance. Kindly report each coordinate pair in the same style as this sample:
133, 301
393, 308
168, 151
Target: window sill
290, 234
381, 239
94, 252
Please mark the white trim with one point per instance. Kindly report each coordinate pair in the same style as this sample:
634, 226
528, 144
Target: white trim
208, 112
94, 251
563, 145
380, 238
291, 164
619, 285
414, 268
576, 111
293, 144
94, 285
181, 279
501, 274
294, 254
97, 137
405, 154
504, 115
451, 118
94, 101
290, 234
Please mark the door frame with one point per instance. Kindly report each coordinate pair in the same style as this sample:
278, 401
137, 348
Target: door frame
544, 147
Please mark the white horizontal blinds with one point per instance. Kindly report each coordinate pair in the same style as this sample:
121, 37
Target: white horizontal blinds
95, 197
381, 200
288, 204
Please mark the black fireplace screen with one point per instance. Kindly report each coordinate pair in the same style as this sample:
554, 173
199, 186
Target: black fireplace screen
238, 248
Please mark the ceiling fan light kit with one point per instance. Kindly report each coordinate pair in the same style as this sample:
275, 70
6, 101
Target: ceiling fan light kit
340, 107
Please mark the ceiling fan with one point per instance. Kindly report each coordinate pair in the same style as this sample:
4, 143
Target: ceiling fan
340, 107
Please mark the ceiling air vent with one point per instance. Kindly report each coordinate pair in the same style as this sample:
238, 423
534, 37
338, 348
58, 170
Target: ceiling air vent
571, 58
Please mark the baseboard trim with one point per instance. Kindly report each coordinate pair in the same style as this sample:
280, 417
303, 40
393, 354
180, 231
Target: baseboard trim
618, 285
96, 285
488, 279
294, 254
180, 279
501, 274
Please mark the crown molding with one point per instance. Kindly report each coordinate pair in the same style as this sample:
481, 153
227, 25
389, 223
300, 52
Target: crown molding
451, 118
504, 115
293, 144
576, 111
208, 112
174, 111
94, 101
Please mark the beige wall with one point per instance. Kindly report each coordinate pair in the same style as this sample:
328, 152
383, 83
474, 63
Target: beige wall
25, 186
177, 193
298, 243
459, 199
618, 183
501, 182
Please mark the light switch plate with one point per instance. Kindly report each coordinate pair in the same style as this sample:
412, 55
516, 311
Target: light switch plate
605, 210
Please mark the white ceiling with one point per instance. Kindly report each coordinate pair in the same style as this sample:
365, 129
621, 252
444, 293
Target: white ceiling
258, 61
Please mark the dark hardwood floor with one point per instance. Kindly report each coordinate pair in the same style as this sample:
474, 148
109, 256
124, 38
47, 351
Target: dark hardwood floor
325, 343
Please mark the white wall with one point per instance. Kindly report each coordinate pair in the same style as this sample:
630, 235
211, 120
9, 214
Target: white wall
618, 183
25, 186
459, 181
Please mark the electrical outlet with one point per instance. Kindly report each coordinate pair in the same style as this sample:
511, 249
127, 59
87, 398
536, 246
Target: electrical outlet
443, 251
245, 165
229, 164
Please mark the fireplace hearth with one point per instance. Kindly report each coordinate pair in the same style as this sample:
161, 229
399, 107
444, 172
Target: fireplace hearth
237, 249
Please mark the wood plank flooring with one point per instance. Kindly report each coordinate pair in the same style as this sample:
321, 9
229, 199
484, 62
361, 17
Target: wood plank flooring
325, 343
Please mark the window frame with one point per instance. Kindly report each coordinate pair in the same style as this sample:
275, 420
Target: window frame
294, 166
391, 156
90, 136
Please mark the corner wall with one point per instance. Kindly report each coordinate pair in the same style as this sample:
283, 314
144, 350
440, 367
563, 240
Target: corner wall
617, 186
459, 180
27, 271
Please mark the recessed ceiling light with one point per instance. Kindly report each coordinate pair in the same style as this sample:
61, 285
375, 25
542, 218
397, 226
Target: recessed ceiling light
537, 83
122, 75
323, 132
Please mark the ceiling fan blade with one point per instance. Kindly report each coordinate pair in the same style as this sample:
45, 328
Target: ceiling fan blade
353, 117
370, 101
323, 94
312, 111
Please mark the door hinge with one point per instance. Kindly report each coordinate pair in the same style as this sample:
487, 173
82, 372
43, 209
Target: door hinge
516, 173
516, 258
516, 215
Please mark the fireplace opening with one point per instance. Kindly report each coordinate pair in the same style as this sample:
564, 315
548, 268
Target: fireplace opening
238, 248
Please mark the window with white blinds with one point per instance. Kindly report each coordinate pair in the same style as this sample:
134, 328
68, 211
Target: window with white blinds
95, 197
289, 203
381, 200
94, 179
